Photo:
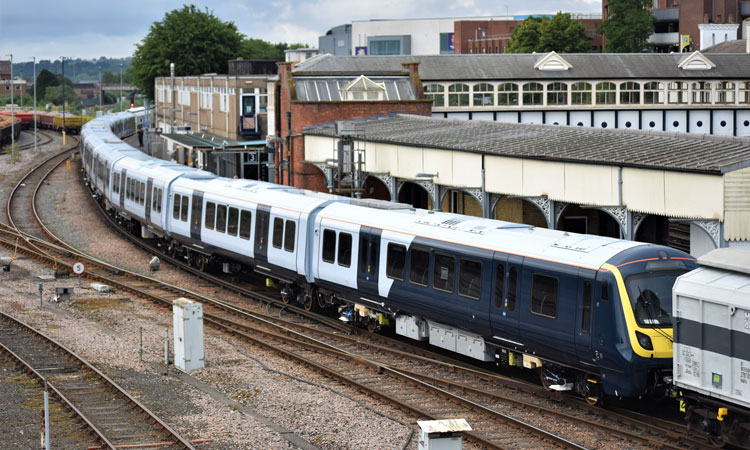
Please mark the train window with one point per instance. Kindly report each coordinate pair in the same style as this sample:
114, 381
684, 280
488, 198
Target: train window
363, 242
345, 249
544, 295
290, 233
184, 211
512, 289
586, 308
499, 280
261, 229
396, 260
470, 278
329, 246
158, 202
143, 193
232, 221
444, 272
176, 207
419, 266
278, 232
245, 219
605, 290
210, 217
154, 196
221, 218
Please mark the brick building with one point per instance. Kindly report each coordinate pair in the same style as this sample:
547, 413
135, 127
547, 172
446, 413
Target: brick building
306, 100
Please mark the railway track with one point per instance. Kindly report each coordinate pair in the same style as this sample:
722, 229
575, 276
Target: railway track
426, 384
46, 138
112, 414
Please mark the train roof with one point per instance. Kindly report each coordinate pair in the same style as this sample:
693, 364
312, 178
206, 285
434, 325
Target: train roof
583, 250
730, 259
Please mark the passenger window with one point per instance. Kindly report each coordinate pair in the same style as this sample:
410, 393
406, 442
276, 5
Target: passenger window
345, 249
363, 243
396, 259
605, 290
261, 229
278, 232
143, 193
499, 282
153, 198
544, 295
210, 215
221, 218
586, 308
245, 219
512, 289
470, 278
444, 272
232, 219
158, 203
176, 207
290, 233
419, 266
184, 212
329, 246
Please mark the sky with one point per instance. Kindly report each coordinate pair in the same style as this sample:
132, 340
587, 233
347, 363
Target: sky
89, 29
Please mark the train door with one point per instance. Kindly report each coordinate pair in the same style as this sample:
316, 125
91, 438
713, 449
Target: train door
123, 179
369, 253
505, 304
262, 217
196, 215
249, 113
584, 316
604, 329
149, 188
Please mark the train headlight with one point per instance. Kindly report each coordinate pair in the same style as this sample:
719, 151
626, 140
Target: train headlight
644, 340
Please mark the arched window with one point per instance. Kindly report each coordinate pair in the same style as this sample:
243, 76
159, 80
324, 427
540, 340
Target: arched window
581, 93
507, 94
458, 95
532, 93
677, 92
557, 94
484, 94
606, 93
435, 92
630, 93
701, 92
653, 93
725, 92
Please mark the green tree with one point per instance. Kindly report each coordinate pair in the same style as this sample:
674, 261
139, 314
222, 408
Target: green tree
44, 80
260, 49
195, 41
54, 95
627, 27
542, 34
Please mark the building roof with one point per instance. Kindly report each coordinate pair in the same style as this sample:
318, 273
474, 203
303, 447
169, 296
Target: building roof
521, 66
666, 151
205, 140
738, 46
316, 89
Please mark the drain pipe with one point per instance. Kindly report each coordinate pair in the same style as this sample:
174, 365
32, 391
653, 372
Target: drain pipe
619, 185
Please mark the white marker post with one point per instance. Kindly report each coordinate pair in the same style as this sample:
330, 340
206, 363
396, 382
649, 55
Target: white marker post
78, 269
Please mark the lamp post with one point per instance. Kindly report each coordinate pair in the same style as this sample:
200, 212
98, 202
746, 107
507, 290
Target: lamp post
63, 97
12, 111
34, 58
120, 87
101, 91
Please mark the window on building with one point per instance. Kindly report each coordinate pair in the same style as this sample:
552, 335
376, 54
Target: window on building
395, 261
446, 43
245, 223
532, 94
744, 92
385, 47
329, 246
507, 94
233, 218
210, 216
483, 94
725, 92
544, 295
345, 249
702, 92
677, 92
435, 92
470, 278
653, 93
458, 95
221, 218
419, 266
290, 234
606, 93
630, 93
278, 232
581, 93
557, 94
444, 272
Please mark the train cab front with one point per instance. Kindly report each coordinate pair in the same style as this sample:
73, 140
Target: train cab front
641, 280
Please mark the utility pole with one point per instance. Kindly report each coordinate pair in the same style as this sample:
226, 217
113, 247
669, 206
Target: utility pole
34, 58
120, 87
101, 91
63, 96
12, 111
171, 95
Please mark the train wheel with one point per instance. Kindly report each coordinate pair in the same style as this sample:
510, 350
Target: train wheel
309, 303
202, 263
592, 391
546, 382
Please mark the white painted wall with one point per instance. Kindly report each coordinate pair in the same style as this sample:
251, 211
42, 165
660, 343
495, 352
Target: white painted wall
716, 33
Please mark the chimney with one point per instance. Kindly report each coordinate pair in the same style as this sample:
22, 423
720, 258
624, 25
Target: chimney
416, 82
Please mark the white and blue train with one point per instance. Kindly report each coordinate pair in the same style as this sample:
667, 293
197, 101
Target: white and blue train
591, 314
